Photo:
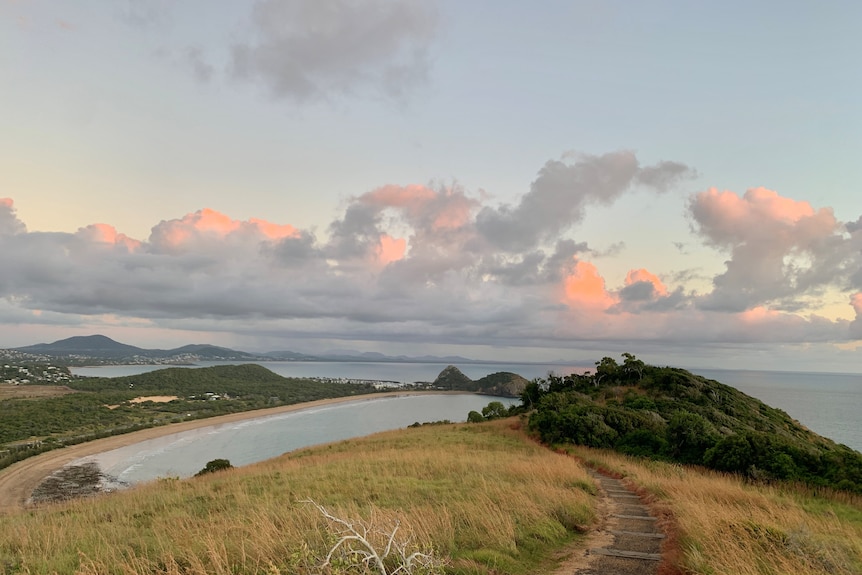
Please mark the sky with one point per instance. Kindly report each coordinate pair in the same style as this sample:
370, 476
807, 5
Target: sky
501, 180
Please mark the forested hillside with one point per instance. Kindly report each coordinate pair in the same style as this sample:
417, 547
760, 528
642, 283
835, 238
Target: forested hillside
671, 414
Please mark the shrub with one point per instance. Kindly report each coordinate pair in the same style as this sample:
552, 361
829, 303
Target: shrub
213, 466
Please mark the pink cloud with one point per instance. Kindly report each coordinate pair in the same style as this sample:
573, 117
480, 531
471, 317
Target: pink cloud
391, 249
584, 287
209, 224
780, 248
642, 275
760, 214
106, 234
274, 231
760, 314
424, 207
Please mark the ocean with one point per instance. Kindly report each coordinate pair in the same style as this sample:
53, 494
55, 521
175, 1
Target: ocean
826, 403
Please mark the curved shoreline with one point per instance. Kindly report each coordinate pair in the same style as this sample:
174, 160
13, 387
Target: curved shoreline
19, 480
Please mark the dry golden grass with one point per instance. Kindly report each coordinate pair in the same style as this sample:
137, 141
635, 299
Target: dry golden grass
728, 527
482, 496
8, 391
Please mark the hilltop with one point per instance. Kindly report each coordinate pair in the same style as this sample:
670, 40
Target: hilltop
502, 383
100, 349
669, 413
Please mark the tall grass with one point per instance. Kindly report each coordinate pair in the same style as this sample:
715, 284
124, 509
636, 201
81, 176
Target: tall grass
481, 496
730, 527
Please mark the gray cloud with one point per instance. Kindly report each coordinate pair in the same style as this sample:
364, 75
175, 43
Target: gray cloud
664, 175
854, 227
9, 222
558, 197
561, 259
414, 263
309, 49
201, 69
780, 249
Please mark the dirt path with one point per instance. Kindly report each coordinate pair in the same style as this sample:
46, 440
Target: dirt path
627, 541
19, 480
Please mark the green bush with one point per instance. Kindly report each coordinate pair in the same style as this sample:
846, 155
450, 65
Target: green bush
213, 466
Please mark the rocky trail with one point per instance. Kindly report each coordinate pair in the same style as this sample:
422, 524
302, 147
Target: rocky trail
628, 542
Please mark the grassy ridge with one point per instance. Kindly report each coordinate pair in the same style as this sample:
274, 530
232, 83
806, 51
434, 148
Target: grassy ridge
671, 414
727, 526
483, 496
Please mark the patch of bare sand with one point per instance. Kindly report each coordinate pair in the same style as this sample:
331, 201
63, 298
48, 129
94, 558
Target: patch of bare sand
19, 480
154, 398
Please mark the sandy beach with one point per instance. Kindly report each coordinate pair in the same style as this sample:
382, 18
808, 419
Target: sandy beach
19, 480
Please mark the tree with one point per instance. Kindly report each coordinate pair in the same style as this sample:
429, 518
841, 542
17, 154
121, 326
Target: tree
532, 394
213, 466
607, 369
495, 410
475, 417
689, 436
632, 367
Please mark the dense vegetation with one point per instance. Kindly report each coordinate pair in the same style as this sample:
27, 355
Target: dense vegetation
671, 414
103, 407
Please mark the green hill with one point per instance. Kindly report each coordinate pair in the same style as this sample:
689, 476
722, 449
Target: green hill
501, 383
671, 414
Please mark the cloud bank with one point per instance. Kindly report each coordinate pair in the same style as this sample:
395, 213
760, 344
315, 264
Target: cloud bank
305, 49
439, 265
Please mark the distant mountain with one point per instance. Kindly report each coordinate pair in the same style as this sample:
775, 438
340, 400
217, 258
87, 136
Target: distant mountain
88, 345
100, 349
104, 349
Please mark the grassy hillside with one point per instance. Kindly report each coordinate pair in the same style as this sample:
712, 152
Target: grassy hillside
483, 497
728, 526
671, 414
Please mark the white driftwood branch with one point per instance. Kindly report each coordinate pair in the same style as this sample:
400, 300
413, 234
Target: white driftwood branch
359, 534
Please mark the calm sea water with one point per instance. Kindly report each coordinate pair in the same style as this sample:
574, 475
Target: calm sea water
244, 442
382, 371
826, 403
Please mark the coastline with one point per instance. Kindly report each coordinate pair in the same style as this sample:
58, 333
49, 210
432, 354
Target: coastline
18, 481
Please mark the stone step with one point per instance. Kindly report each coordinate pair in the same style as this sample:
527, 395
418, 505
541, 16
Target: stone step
645, 518
638, 534
626, 554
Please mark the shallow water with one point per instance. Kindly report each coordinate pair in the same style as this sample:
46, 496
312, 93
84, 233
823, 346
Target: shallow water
243, 442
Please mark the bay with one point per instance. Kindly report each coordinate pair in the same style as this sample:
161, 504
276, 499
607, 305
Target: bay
379, 371
827, 403
244, 442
